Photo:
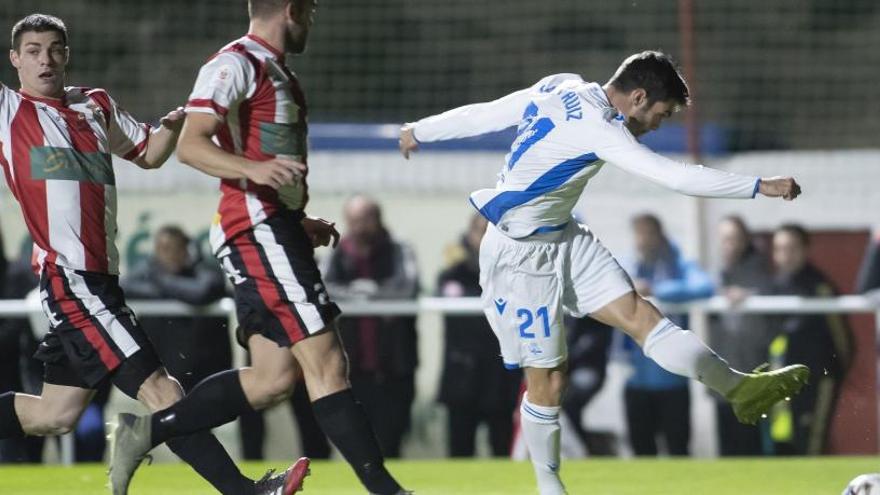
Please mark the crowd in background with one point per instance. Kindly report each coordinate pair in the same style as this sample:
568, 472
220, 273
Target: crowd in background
370, 263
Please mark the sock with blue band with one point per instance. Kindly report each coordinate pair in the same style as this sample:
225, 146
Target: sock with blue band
540, 428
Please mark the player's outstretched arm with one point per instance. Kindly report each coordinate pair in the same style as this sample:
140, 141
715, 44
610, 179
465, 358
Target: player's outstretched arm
161, 142
197, 149
615, 145
780, 187
467, 121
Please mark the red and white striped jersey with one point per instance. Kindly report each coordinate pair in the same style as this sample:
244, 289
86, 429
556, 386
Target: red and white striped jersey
263, 109
56, 159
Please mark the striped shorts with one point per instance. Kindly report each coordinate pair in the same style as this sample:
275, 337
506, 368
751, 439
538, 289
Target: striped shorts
92, 331
279, 292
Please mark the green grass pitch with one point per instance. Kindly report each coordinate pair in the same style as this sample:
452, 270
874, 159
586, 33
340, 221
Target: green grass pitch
819, 476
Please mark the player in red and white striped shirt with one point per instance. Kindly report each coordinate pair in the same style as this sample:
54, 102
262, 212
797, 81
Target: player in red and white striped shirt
246, 124
55, 149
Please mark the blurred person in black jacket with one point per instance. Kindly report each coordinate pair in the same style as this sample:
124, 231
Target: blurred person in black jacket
474, 385
589, 345
742, 338
822, 342
191, 347
382, 350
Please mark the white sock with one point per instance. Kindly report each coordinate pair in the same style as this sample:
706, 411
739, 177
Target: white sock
540, 427
683, 353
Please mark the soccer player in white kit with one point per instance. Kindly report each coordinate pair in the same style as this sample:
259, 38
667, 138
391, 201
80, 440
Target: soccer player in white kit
537, 263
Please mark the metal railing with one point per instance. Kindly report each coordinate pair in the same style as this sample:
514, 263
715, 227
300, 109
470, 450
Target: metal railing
471, 306
32, 308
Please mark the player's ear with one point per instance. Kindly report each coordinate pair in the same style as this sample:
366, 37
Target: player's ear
638, 97
290, 12
14, 59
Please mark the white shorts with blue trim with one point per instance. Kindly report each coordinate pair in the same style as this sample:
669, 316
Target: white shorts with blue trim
529, 284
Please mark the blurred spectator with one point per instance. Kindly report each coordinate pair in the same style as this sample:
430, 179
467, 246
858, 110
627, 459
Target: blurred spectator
742, 339
191, 347
474, 385
382, 350
18, 372
658, 402
869, 272
589, 343
822, 342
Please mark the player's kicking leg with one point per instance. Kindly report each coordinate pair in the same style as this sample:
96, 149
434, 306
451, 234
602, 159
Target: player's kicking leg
683, 353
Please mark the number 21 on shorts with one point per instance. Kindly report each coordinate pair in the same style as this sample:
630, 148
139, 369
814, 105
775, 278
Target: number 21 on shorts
527, 321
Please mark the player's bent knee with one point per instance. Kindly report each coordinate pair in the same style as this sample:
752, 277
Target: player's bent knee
160, 392
546, 386
276, 389
330, 366
60, 423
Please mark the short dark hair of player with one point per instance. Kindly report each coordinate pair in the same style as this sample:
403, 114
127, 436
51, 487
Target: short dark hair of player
797, 231
37, 23
656, 73
262, 8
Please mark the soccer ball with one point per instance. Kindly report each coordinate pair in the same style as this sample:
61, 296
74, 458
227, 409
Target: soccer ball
865, 484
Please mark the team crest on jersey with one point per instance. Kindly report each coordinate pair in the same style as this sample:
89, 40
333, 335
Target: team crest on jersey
223, 77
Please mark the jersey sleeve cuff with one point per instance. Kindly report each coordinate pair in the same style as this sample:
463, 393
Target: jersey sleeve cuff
206, 106
140, 148
757, 187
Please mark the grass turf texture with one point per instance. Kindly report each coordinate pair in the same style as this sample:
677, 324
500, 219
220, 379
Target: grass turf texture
802, 476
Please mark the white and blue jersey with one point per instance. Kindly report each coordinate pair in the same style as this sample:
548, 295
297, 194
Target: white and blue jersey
566, 130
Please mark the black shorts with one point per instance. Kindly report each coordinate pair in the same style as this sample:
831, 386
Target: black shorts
278, 288
92, 332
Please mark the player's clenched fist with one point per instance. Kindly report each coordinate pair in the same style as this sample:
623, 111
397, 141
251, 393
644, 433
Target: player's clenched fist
276, 173
407, 140
784, 187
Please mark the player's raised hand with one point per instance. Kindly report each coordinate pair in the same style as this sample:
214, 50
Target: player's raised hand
784, 187
276, 173
320, 231
407, 140
173, 121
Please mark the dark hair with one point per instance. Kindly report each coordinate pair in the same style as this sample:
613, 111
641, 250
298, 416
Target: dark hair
740, 224
37, 23
175, 232
656, 73
650, 219
259, 8
796, 230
